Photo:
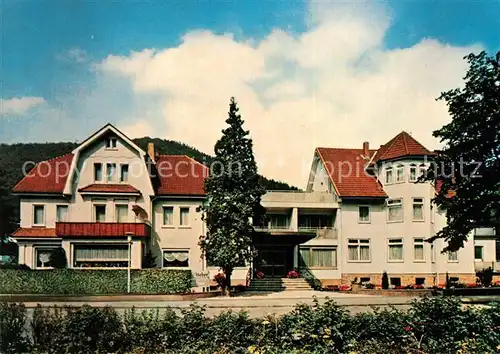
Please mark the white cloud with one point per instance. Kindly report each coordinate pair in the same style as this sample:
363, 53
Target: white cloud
76, 55
19, 106
334, 85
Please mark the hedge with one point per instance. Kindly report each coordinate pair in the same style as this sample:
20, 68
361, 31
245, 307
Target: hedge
94, 282
430, 325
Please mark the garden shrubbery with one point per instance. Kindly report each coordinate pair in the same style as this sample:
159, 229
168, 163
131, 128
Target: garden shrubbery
94, 282
431, 325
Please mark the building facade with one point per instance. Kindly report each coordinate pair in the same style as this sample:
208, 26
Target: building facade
109, 202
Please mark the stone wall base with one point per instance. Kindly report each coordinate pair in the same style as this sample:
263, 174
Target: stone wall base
407, 279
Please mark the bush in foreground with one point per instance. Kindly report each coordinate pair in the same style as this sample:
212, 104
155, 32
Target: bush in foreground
94, 282
435, 325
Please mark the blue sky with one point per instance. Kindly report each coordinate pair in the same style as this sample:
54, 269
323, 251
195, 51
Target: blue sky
67, 64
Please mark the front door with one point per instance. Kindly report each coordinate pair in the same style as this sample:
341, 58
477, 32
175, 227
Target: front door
273, 262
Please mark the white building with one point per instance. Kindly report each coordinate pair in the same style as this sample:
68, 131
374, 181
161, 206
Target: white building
361, 214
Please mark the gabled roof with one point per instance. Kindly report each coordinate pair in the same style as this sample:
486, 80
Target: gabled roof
180, 175
47, 177
109, 188
346, 169
401, 145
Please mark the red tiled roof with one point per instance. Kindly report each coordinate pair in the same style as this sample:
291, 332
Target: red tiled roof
180, 175
109, 188
401, 145
346, 168
35, 232
437, 187
46, 177
101, 229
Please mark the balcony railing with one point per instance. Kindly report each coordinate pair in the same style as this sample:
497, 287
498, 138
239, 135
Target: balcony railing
102, 229
328, 232
483, 265
298, 198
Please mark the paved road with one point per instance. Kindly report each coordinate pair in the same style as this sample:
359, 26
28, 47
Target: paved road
256, 304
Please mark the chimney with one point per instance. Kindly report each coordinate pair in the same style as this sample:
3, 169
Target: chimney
151, 151
366, 149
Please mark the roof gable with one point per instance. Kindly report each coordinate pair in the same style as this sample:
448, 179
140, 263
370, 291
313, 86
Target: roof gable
346, 169
401, 145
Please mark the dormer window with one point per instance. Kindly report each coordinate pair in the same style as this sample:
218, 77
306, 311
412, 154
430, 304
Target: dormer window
111, 143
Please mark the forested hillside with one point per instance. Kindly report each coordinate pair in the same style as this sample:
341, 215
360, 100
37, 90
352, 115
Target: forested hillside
13, 157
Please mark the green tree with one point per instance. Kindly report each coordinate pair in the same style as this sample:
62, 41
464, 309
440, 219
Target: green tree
468, 166
385, 280
58, 258
234, 193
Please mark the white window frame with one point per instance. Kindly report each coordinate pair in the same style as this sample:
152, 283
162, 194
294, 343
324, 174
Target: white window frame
121, 172
416, 202
35, 256
452, 260
401, 243
332, 249
102, 171
94, 214
163, 250
164, 207
359, 214
96, 244
188, 225
395, 202
357, 242
416, 169
422, 170
57, 212
121, 203
34, 214
433, 253
111, 143
391, 170
417, 242
400, 167
482, 253
108, 177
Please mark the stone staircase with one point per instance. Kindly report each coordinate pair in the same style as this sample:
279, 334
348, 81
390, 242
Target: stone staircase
278, 284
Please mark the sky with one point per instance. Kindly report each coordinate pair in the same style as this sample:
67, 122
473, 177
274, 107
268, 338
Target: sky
305, 73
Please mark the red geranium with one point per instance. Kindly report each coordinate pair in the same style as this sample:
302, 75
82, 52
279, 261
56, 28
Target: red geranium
293, 274
259, 275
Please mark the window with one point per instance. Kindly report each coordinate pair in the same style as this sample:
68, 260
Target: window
100, 255
453, 256
100, 213
433, 253
168, 215
43, 257
400, 173
175, 258
364, 214
321, 257
364, 280
396, 249
395, 210
62, 213
121, 213
111, 143
418, 209
98, 172
110, 170
432, 213
478, 253
279, 221
389, 177
358, 250
184, 220
39, 215
396, 282
413, 173
418, 249
123, 173
422, 171
419, 281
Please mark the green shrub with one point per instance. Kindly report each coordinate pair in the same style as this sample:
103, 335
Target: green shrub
48, 327
58, 258
485, 276
93, 282
13, 337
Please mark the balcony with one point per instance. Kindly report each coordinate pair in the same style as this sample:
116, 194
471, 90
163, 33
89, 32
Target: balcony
320, 232
298, 199
483, 265
102, 229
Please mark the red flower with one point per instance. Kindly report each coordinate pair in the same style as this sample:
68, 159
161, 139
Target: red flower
259, 275
408, 329
293, 274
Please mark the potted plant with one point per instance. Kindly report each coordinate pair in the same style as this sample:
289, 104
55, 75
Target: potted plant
293, 274
259, 275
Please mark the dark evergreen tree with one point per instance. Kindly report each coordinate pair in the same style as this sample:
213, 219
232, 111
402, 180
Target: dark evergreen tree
58, 258
234, 194
385, 281
469, 164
